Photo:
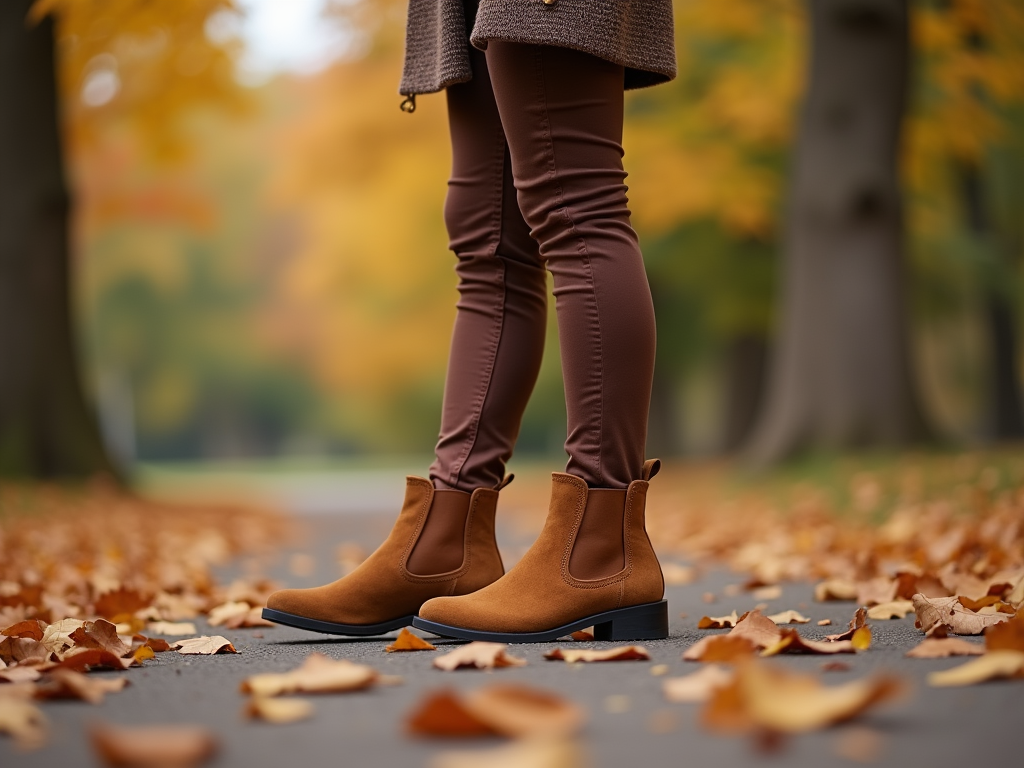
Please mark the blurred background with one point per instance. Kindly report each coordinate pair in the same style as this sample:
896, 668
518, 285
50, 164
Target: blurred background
259, 274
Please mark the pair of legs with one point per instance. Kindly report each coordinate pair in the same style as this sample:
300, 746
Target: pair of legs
537, 184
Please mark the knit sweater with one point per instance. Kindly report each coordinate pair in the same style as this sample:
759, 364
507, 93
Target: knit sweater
637, 34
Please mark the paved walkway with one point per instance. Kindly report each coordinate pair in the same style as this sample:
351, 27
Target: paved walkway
934, 728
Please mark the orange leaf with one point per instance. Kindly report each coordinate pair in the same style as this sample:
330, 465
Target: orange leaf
407, 641
624, 653
478, 655
181, 746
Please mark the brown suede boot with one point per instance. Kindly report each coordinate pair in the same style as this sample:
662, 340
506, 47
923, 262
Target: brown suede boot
592, 565
442, 544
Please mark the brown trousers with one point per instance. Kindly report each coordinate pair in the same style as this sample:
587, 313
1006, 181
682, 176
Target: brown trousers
537, 182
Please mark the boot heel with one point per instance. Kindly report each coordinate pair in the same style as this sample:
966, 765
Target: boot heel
638, 622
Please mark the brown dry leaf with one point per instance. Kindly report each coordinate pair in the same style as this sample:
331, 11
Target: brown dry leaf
30, 628
442, 714
19, 674
876, 591
22, 720
771, 592
531, 753
824, 622
859, 745
478, 655
861, 639
23, 650
157, 644
407, 641
121, 602
317, 674
57, 636
984, 602
623, 653
789, 617
220, 614
940, 648
1007, 636
238, 614
895, 609
723, 648
172, 628
994, 665
157, 746
858, 621
583, 635
84, 659
792, 642
771, 698
949, 612
68, 684
100, 634
1016, 596
757, 628
696, 687
835, 589
718, 622
204, 645
278, 711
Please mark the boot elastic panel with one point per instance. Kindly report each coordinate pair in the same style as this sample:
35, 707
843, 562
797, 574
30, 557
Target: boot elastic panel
440, 545
599, 550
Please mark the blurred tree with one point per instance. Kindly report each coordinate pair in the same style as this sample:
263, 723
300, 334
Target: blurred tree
145, 59
842, 375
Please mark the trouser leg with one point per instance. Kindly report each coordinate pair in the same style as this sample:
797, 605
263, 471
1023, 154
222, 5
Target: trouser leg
498, 340
562, 111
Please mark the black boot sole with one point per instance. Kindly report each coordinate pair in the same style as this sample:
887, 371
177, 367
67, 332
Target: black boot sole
637, 622
331, 628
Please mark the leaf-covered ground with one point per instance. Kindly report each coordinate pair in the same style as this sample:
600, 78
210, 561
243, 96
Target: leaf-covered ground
97, 592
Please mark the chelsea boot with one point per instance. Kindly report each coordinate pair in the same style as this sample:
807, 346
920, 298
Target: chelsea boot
442, 544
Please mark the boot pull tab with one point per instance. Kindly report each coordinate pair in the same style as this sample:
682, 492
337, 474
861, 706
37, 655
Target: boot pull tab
505, 481
651, 468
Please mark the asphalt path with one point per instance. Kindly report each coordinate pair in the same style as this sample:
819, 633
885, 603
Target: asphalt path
629, 723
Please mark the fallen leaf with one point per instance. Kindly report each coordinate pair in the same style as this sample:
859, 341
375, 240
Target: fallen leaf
143, 653
278, 711
221, 613
407, 641
317, 674
757, 628
861, 639
792, 642
157, 746
772, 592
158, 644
99, 634
83, 659
949, 612
507, 710
236, 615
204, 645
789, 617
659, 669
723, 648
1016, 596
994, 665
120, 602
1006, 636
718, 622
623, 653
940, 648
835, 589
57, 636
23, 650
68, 684
876, 591
698, 686
22, 720
824, 622
895, 609
532, 753
30, 628
765, 697
172, 628
19, 674
583, 635
984, 602
478, 655
858, 621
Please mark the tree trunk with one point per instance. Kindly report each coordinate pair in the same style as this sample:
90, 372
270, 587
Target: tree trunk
746, 357
841, 375
1005, 417
46, 427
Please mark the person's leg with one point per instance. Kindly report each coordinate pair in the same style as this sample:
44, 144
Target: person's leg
498, 339
562, 113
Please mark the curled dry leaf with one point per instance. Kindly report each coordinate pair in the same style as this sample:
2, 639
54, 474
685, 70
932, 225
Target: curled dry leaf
940, 648
158, 644
835, 589
121, 602
204, 645
861, 639
84, 659
172, 628
100, 634
237, 615
317, 674
753, 631
407, 641
1007, 636
696, 687
531, 753
993, 665
950, 613
718, 622
29, 628
221, 613
478, 655
771, 592
790, 641
167, 746
278, 711
623, 653
22, 720
583, 635
19, 674
824, 622
895, 609
858, 621
23, 650
68, 684
766, 698
789, 617
506, 710
57, 636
